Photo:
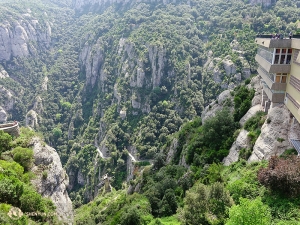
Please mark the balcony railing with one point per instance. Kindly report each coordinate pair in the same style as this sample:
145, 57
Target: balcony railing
271, 36
267, 54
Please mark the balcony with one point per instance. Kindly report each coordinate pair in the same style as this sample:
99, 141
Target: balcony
273, 95
270, 80
272, 68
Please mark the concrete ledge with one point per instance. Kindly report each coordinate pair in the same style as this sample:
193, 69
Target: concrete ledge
11, 128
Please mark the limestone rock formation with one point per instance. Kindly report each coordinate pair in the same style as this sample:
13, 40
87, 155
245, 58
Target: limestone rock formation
251, 112
17, 36
32, 119
217, 105
7, 99
274, 137
92, 59
3, 115
51, 179
3, 73
241, 142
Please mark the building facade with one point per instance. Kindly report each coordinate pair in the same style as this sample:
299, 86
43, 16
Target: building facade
279, 67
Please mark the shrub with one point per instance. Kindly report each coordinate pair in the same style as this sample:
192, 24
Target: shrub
23, 156
205, 205
249, 212
245, 153
247, 81
282, 175
5, 141
255, 122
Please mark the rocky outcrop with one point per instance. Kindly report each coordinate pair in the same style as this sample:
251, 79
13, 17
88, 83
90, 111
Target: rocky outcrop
274, 137
251, 112
172, 150
3, 115
92, 59
32, 119
157, 60
241, 142
17, 36
3, 73
51, 179
7, 99
217, 105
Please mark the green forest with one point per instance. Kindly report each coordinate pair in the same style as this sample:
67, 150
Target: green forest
119, 88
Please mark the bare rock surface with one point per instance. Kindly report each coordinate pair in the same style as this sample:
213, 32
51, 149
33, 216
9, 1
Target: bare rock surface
274, 136
251, 112
52, 180
32, 119
16, 36
241, 142
215, 106
3, 115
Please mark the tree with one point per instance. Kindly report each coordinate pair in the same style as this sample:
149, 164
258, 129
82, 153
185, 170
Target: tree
249, 212
282, 175
131, 217
205, 205
5, 141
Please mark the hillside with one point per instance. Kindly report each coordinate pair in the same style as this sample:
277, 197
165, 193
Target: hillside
117, 86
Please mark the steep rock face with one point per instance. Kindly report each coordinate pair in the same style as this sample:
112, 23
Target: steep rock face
52, 180
251, 112
3, 73
217, 105
242, 141
274, 137
32, 119
92, 61
17, 36
157, 58
7, 99
3, 115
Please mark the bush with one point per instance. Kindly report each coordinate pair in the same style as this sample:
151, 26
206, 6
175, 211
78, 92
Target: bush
249, 212
255, 122
5, 141
282, 175
23, 156
245, 153
205, 205
247, 81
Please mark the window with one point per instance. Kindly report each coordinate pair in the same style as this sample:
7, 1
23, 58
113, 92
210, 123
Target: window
280, 77
282, 56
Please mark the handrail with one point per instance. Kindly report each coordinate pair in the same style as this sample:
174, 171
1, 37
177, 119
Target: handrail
270, 36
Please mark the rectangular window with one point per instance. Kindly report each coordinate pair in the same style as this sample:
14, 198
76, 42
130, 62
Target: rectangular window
277, 79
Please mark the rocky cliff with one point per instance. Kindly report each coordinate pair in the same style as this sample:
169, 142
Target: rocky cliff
276, 131
20, 36
52, 180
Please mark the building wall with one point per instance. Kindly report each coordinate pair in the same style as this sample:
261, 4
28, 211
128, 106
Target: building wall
293, 92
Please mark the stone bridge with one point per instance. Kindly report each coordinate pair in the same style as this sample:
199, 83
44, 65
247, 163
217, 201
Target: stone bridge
11, 128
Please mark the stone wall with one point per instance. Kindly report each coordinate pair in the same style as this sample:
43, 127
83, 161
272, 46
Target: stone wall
11, 128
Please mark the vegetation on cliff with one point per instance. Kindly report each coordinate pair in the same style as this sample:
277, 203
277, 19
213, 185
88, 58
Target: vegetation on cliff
20, 202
